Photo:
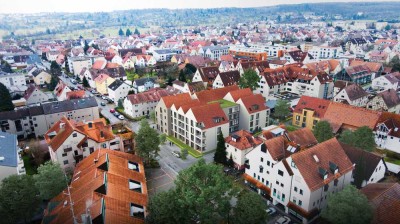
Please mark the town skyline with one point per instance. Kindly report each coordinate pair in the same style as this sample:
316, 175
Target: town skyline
47, 6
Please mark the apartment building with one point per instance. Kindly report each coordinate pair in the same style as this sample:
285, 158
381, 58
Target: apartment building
118, 90
273, 50
12, 79
76, 64
70, 141
247, 52
35, 120
352, 94
300, 181
213, 52
324, 52
308, 111
34, 95
11, 162
163, 54
106, 187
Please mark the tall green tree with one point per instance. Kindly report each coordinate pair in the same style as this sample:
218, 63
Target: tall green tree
53, 82
205, 191
18, 199
147, 141
55, 68
347, 137
250, 208
348, 206
282, 109
86, 47
323, 131
85, 82
137, 31
364, 138
5, 99
6, 67
121, 32
128, 32
67, 65
165, 207
182, 76
190, 68
50, 180
220, 152
249, 79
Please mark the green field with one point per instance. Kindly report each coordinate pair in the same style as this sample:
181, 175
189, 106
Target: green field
224, 103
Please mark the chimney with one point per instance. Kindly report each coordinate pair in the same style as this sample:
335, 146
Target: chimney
90, 124
62, 125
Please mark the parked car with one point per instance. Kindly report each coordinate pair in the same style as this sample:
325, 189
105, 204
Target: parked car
176, 153
116, 114
121, 117
283, 220
271, 211
104, 97
112, 111
102, 104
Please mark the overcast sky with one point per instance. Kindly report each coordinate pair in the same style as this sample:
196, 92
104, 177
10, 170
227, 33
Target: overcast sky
33, 6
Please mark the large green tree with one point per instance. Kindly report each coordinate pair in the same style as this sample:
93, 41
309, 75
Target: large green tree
249, 79
53, 82
166, 207
50, 180
220, 152
18, 199
121, 32
205, 191
347, 137
282, 109
128, 32
86, 47
85, 82
364, 138
137, 31
147, 141
348, 206
323, 131
5, 99
250, 208
55, 68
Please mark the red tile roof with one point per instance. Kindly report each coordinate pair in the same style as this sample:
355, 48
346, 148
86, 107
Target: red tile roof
254, 103
178, 100
152, 95
211, 115
309, 161
214, 94
237, 94
319, 106
77, 94
243, 140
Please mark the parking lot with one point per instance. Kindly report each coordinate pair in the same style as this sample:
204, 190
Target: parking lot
158, 180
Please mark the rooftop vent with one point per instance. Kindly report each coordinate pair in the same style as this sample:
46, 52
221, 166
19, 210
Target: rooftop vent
316, 158
235, 138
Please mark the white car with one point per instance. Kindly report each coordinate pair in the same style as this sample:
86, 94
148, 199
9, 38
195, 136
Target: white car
121, 117
283, 220
104, 97
271, 211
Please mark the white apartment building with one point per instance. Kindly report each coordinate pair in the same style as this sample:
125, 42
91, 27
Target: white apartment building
34, 95
387, 132
324, 52
298, 180
12, 79
271, 49
163, 54
70, 142
389, 81
11, 162
213, 52
118, 90
76, 64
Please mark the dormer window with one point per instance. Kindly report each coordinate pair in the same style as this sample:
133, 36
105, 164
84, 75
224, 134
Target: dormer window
254, 107
323, 173
217, 119
333, 167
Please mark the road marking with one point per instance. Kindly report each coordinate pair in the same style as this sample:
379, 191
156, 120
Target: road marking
155, 188
156, 177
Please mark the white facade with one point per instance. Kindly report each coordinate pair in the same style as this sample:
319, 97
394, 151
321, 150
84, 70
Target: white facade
382, 84
386, 141
78, 63
342, 96
140, 109
120, 93
37, 96
12, 79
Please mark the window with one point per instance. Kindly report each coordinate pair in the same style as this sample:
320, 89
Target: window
137, 211
64, 154
65, 162
335, 182
254, 175
326, 187
277, 182
262, 180
300, 202
295, 189
133, 166
135, 186
262, 159
301, 192
74, 135
282, 185
280, 173
268, 163
297, 117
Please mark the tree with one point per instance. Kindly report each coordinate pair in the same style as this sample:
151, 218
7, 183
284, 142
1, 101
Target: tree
55, 68
395, 63
137, 31
348, 206
153, 116
205, 191
184, 153
128, 32
120, 32
85, 82
53, 82
163, 138
147, 141
250, 208
230, 162
86, 47
165, 208
347, 137
220, 152
6, 67
191, 69
249, 79
5, 99
308, 39
50, 180
182, 76
364, 138
387, 27
18, 199
323, 131
120, 103
282, 109
67, 65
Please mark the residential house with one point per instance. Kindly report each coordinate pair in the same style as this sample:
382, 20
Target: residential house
213, 52
352, 94
118, 90
35, 120
206, 75
163, 54
40, 77
128, 62
225, 79
387, 132
70, 141
61, 91
141, 104
11, 162
385, 201
34, 95
106, 187
385, 101
297, 56
238, 145
389, 81
359, 74
144, 84
376, 68
102, 82
12, 79
272, 82
143, 60
373, 167
308, 111
192, 87
76, 64
298, 180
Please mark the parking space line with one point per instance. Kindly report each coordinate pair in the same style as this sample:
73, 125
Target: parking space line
155, 178
155, 188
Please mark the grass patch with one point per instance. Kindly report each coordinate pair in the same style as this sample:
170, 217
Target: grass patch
291, 128
224, 103
29, 167
209, 152
196, 154
392, 160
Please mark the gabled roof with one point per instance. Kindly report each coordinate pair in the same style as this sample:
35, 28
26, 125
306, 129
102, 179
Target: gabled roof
303, 137
195, 87
178, 100
319, 106
243, 140
309, 162
142, 81
148, 96
390, 98
214, 94
237, 94
210, 115
354, 92
392, 122
254, 103
208, 73
116, 84
77, 94
28, 92
230, 78
100, 186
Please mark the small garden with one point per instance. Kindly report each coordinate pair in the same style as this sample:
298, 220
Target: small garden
196, 154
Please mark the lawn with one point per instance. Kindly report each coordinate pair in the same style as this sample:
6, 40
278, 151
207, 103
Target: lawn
392, 160
224, 103
181, 145
29, 167
291, 128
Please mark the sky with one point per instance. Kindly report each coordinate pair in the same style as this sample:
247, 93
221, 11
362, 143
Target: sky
35, 6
